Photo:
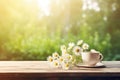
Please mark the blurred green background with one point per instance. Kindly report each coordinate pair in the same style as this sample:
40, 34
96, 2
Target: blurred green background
34, 29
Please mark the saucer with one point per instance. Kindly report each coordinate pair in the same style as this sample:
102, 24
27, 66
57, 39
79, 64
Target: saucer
98, 65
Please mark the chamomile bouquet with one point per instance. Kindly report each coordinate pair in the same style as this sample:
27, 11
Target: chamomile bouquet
70, 55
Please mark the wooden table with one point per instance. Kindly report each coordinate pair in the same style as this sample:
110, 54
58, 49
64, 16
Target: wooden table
36, 70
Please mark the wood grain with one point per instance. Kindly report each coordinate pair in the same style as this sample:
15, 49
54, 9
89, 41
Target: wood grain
41, 69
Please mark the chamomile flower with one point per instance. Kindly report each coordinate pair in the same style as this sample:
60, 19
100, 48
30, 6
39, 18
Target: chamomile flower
85, 46
63, 48
69, 58
77, 50
55, 55
55, 63
64, 53
79, 42
71, 45
50, 59
66, 66
61, 59
65, 56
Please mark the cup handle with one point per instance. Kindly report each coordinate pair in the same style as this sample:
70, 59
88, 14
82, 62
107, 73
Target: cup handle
101, 56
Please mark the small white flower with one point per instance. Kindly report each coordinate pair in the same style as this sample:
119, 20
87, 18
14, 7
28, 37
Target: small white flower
55, 55
68, 57
65, 56
61, 59
85, 46
71, 45
79, 42
64, 52
50, 59
77, 50
55, 63
66, 66
63, 48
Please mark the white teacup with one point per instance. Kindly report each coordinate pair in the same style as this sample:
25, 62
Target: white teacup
91, 58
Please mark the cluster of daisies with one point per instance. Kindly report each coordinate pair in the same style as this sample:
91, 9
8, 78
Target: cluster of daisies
69, 55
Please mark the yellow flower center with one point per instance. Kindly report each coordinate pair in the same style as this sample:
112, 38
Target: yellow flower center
56, 64
77, 50
50, 59
67, 65
69, 57
61, 59
56, 55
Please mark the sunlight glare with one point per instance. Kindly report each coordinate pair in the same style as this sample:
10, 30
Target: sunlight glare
91, 5
44, 5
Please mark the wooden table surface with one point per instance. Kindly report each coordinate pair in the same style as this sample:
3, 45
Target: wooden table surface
41, 69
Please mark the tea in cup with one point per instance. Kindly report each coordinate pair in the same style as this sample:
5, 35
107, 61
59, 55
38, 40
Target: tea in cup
91, 58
